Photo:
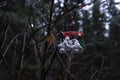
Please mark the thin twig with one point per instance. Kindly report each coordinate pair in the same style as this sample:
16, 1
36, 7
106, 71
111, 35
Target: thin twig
14, 56
3, 38
51, 12
43, 66
21, 58
98, 70
39, 12
65, 68
5, 52
53, 57
7, 66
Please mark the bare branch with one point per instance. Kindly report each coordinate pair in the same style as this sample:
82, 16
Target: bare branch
7, 66
5, 52
3, 38
65, 67
39, 12
21, 58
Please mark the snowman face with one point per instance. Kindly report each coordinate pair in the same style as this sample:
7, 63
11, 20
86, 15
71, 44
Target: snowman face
67, 38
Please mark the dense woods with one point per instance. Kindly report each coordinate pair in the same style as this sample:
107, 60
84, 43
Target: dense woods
29, 37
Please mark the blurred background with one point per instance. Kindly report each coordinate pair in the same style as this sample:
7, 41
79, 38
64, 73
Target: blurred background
29, 36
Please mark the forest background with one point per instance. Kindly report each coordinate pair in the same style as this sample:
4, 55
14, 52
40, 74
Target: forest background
28, 52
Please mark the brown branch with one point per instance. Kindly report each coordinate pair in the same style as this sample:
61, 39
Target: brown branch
37, 51
39, 12
7, 66
5, 52
98, 70
50, 19
3, 38
59, 58
21, 58
43, 66
14, 56
53, 57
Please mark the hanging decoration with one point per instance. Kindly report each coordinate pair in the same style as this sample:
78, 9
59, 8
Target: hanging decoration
71, 41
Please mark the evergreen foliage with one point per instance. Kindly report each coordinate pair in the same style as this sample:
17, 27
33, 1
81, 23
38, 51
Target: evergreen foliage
28, 52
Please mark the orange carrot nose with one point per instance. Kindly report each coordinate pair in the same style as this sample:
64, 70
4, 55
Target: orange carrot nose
80, 34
